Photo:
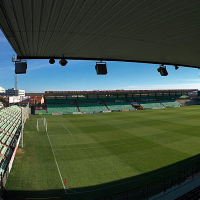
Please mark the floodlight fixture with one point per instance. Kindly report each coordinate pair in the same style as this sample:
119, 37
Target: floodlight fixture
162, 70
51, 61
176, 67
63, 62
101, 68
14, 59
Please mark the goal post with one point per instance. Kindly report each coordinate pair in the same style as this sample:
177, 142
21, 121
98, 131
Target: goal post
41, 124
46, 125
44, 119
37, 125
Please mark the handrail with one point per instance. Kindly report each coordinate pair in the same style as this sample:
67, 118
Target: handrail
160, 185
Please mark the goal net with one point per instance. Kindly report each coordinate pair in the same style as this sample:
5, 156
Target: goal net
41, 124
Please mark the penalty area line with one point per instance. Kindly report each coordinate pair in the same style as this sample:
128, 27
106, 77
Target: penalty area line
66, 128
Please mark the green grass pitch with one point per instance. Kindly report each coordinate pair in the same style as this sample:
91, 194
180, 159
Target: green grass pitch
101, 154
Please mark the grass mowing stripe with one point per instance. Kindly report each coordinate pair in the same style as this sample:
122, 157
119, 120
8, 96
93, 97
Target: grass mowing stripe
56, 164
66, 128
95, 147
108, 153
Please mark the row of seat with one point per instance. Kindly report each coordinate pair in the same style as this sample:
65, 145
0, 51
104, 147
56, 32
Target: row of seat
112, 99
171, 103
89, 107
120, 106
10, 127
151, 104
105, 106
92, 107
159, 104
65, 109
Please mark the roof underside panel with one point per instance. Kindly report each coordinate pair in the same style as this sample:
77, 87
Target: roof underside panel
144, 31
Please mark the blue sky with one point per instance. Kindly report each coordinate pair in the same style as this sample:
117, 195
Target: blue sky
81, 75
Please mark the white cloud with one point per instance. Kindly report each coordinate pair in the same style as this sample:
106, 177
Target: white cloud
190, 80
6, 69
36, 66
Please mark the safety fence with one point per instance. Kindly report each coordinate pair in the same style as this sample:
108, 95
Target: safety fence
161, 185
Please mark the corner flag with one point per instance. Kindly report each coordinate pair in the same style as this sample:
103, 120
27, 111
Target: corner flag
65, 181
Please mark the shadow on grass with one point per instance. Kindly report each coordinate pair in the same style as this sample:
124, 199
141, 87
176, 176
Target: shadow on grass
97, 191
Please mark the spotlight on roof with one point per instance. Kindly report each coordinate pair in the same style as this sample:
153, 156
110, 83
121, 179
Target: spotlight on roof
176, 67
101, 68
162, 70
51, 61
63, 62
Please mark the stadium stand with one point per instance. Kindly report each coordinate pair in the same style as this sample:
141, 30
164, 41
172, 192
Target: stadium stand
92, 107
10, 127
114, 99
93, 100
155, 98
151, 105
120, 106
64, 109
170, 103
59, 101
68, 102
184, 97
187, 102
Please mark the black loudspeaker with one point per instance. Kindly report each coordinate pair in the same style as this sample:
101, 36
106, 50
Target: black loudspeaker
20, 67
101, 68
163, 72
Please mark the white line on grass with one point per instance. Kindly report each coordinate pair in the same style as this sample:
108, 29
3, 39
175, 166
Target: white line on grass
66, 128
56, 164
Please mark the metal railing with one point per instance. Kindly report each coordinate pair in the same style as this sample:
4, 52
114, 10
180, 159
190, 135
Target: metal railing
153, 188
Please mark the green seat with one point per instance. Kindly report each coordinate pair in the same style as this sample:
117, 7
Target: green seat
171, 103
120, 106
151, 105
65, 109
92, 107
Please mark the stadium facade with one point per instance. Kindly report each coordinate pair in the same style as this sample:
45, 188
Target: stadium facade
78, 102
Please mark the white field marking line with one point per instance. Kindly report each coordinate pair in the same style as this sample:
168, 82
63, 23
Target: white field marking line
66, 128
71, 190
53, 135
57, 164
111, 185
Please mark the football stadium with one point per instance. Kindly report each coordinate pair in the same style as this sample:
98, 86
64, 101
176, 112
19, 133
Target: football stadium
101, 144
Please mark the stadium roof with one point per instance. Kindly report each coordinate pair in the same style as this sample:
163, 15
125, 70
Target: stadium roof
98, 92
150, 31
